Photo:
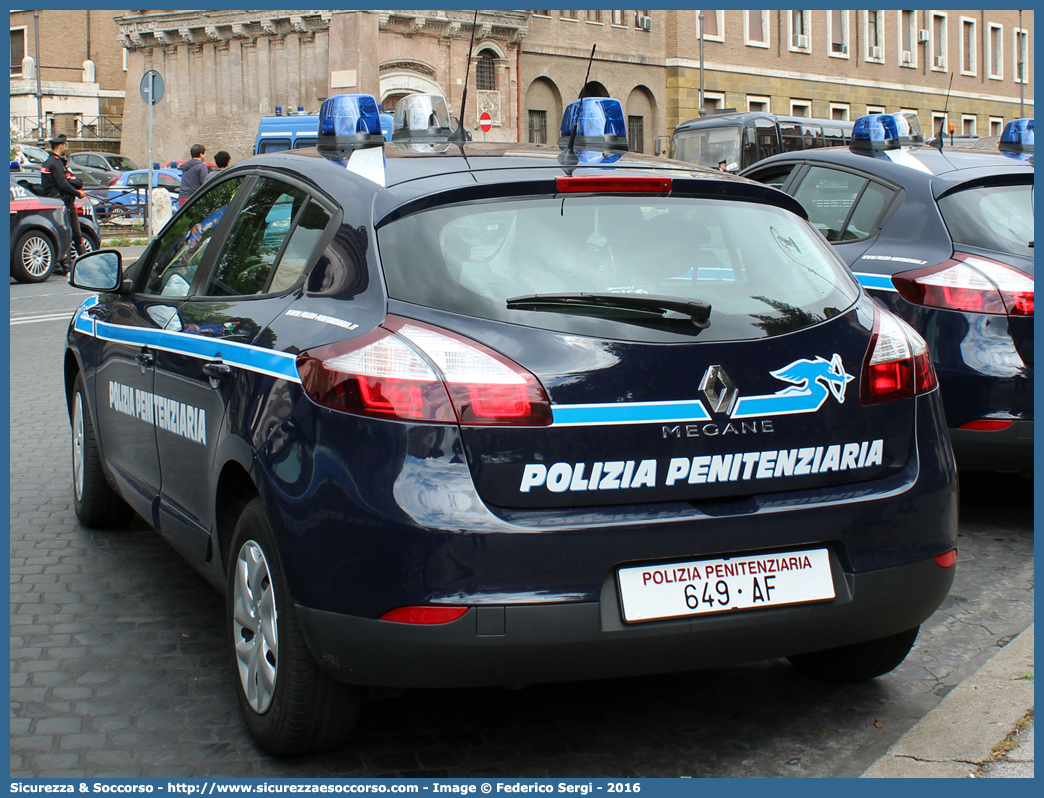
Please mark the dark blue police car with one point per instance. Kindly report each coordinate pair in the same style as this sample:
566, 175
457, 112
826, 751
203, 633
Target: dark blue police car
944, 238
488, 414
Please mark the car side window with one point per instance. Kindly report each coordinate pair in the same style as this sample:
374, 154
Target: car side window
80, 159
249, 256
183, 246
168, 181
138, 180
95, 161
867, 212
774, 176
828, 196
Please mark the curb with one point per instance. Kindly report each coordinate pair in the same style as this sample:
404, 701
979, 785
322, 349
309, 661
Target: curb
957, 736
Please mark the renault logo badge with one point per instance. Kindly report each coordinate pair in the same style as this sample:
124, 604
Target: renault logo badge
719, 390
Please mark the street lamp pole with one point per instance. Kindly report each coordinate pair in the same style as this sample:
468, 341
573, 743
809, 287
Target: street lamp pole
1022, 70
39, 92
703, 110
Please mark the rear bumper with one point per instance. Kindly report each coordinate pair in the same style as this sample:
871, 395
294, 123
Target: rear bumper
524, 644
1009, 449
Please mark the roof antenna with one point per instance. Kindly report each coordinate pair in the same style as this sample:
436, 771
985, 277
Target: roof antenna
460, 134
938, 142
569, 156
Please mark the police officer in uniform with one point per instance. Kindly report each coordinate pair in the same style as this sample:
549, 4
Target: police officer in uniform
55, 183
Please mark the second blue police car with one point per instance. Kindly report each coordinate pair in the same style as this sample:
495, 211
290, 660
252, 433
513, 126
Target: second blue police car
944, 238
436, 413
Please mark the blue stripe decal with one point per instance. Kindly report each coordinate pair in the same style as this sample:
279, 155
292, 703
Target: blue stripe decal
882, 282
629, 413
252, 358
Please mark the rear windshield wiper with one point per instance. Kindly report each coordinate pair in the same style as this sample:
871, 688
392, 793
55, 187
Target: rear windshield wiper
697, 310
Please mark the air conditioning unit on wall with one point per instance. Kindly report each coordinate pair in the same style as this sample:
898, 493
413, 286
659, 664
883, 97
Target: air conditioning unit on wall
877, 52
922, 36
940, 61
801, 42
645, 23
907, 57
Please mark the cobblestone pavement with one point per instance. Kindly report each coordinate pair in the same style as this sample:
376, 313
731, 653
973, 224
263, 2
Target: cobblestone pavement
118, 653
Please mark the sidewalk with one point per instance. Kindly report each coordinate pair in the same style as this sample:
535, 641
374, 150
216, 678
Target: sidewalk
979, 730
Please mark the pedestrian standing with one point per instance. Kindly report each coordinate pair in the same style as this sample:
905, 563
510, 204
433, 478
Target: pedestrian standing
55, 183
222, 160
193, 174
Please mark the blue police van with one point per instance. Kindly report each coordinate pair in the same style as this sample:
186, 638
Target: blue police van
491, 414
296, 131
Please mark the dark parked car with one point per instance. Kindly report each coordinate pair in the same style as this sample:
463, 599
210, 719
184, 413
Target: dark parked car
87, 209
443, 413
40, 236
944, 238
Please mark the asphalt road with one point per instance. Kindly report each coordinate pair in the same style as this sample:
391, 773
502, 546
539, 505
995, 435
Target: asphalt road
119, 662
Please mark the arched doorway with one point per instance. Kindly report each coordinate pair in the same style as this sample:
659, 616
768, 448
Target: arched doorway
640, 113
543, 111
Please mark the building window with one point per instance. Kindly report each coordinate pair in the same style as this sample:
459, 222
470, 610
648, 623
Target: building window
874, 36
995, 51
538, 127
17, 50
594, 16
907, 38
939, 126
938, 34
1021, 64
713, 101
640, 18
636, 133
617, 18
567, 15
801, 108
838, 34
969, 125
996, 125
713, 25
756, 28
800, 27
874, 109
967, 46
542, 13
486, 73
840, 111
758, 103
126, 59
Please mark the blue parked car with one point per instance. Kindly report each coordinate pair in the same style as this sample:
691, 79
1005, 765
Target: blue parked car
441, 413
126, 195
944, 238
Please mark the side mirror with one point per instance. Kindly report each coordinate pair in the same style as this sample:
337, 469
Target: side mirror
101, 270
662, 145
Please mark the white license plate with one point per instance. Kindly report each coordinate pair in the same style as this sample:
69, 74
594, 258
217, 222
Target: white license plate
734, 583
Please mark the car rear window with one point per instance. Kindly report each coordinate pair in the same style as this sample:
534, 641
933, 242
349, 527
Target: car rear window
993, 217
764, 270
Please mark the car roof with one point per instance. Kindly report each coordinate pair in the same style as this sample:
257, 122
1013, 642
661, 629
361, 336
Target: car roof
949, 167
410, 173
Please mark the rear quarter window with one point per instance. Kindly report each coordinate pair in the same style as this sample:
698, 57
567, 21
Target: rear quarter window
994, 217
764, 270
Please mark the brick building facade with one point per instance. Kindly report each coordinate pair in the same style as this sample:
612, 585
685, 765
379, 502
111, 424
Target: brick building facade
843, 64
84, 103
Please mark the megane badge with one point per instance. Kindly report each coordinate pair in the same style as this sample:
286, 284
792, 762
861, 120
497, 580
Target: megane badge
719, 389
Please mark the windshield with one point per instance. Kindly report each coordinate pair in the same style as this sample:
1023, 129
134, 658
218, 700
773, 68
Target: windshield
994, 217
122, 164
34, 154
87, 178
764, 270
709, 146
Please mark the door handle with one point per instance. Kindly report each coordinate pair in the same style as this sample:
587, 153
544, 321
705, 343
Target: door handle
217, 370
145, 360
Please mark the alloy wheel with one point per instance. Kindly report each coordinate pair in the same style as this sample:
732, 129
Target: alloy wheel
255, 630
36, 256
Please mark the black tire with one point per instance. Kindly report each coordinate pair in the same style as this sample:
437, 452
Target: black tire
97, 505
34, 257
306, 711
857, 662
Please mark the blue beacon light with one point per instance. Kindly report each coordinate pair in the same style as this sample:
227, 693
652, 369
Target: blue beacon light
879, 132
349, 122
601, 126
1017, 136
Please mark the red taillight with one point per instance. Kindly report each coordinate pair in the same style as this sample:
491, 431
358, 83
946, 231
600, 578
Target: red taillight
114, 180
947, 560
424, 615
897, 364
409, 370
988, 424
613, 185
969, 283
